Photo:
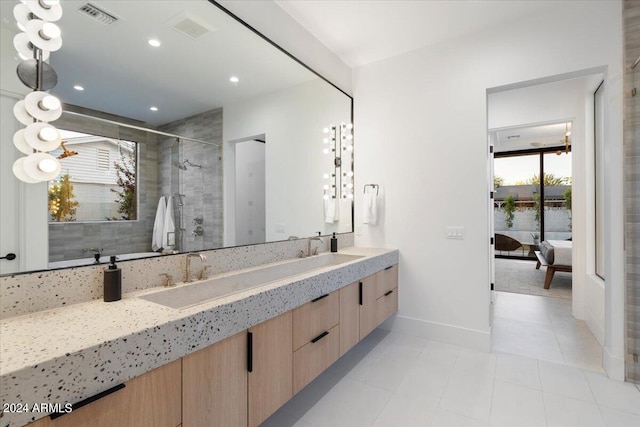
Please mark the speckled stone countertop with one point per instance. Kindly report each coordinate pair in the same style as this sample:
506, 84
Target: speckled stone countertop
65, 355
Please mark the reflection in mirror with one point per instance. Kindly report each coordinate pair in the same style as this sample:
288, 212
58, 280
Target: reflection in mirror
227, 129
97, 185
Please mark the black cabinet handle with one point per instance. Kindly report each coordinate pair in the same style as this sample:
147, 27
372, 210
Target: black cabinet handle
360, 294
319, 337
250, 351
389, 268
9, 257
88, 400
388, 293
320, 297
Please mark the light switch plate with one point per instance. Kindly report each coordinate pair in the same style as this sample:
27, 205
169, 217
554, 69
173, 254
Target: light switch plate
455, 232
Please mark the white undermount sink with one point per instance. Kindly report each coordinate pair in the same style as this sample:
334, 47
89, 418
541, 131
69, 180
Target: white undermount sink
188, 295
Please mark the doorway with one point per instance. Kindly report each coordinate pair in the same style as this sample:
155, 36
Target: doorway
250, 192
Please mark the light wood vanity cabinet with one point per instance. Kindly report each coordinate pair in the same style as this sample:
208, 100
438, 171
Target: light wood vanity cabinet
214, 384
150, 400
242, 380
316, 338
365, 304
271, 370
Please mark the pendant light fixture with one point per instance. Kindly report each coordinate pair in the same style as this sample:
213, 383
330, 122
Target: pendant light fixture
39, 36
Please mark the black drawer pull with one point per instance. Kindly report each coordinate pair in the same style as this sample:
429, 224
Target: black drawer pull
9, 257
388, 293
76, 406
319, 337
389, 268
320, 297
360, 294
250, 351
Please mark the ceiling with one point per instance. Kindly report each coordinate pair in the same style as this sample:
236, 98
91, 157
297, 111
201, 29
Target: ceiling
123, 75
365, 31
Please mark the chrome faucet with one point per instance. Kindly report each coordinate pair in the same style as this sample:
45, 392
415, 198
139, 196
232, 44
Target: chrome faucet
189, 256
315, 250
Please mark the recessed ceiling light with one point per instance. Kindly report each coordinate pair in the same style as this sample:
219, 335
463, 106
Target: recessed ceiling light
153, 108
78, 87
154, 42
234, 79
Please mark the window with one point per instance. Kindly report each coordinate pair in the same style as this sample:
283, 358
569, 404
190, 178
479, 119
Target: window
97, 181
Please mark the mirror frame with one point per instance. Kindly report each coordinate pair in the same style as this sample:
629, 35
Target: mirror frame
292, 57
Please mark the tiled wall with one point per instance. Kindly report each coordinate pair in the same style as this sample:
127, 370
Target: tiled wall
631, 17
67, 240
202, 187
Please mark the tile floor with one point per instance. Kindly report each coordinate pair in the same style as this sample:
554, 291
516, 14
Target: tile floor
392, 379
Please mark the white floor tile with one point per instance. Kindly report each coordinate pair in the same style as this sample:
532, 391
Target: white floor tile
476, 362
526, 339
580, 348
350, 404
469, 394
565, 381
614, 394
515, 405
567, 412
440, 353
444, 418
407, 412
388, 371
615, 418
518, 370
523, 308
426, 380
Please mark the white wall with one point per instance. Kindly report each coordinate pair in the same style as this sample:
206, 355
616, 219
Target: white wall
276, 24
282, 117
566, 100
422, 134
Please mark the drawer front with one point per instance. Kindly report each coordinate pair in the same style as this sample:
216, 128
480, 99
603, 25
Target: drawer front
315, 317
386, 280
313, 358
386, 305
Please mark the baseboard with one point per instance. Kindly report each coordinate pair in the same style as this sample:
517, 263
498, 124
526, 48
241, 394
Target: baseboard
455, 335
596, 327
613, 365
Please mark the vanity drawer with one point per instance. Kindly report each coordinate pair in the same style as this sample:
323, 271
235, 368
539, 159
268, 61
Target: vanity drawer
315, 317
313, 358
386, 305
386, 280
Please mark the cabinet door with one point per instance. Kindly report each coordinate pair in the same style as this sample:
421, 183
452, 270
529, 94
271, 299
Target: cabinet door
368, 306
315, 317
386, 280
214, 384
271, 373
150, 400
349, 317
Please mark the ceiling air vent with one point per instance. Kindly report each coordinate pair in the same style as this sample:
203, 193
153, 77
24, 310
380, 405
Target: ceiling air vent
190, 26
97, 14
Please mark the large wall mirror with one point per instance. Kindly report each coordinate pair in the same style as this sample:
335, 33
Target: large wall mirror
177, 118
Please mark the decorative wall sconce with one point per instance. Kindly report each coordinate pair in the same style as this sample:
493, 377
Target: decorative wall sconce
38, 37
338, 141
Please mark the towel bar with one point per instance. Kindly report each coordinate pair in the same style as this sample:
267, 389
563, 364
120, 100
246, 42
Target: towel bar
376, 186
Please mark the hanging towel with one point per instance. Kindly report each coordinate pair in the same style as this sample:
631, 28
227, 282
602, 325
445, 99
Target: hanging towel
169, 226
331, 211
158, 225
370, 208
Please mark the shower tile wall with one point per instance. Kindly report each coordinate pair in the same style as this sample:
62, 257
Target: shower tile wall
202, 187
68, 240
631, 15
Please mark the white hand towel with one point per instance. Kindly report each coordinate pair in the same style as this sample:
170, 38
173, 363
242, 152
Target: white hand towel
370, 209
169, 226
331, 211
158, 225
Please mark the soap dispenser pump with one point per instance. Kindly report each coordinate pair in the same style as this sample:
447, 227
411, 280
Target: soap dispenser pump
334, 243
112, 281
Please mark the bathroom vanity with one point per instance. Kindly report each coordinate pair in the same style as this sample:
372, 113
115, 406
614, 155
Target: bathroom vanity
230, 360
